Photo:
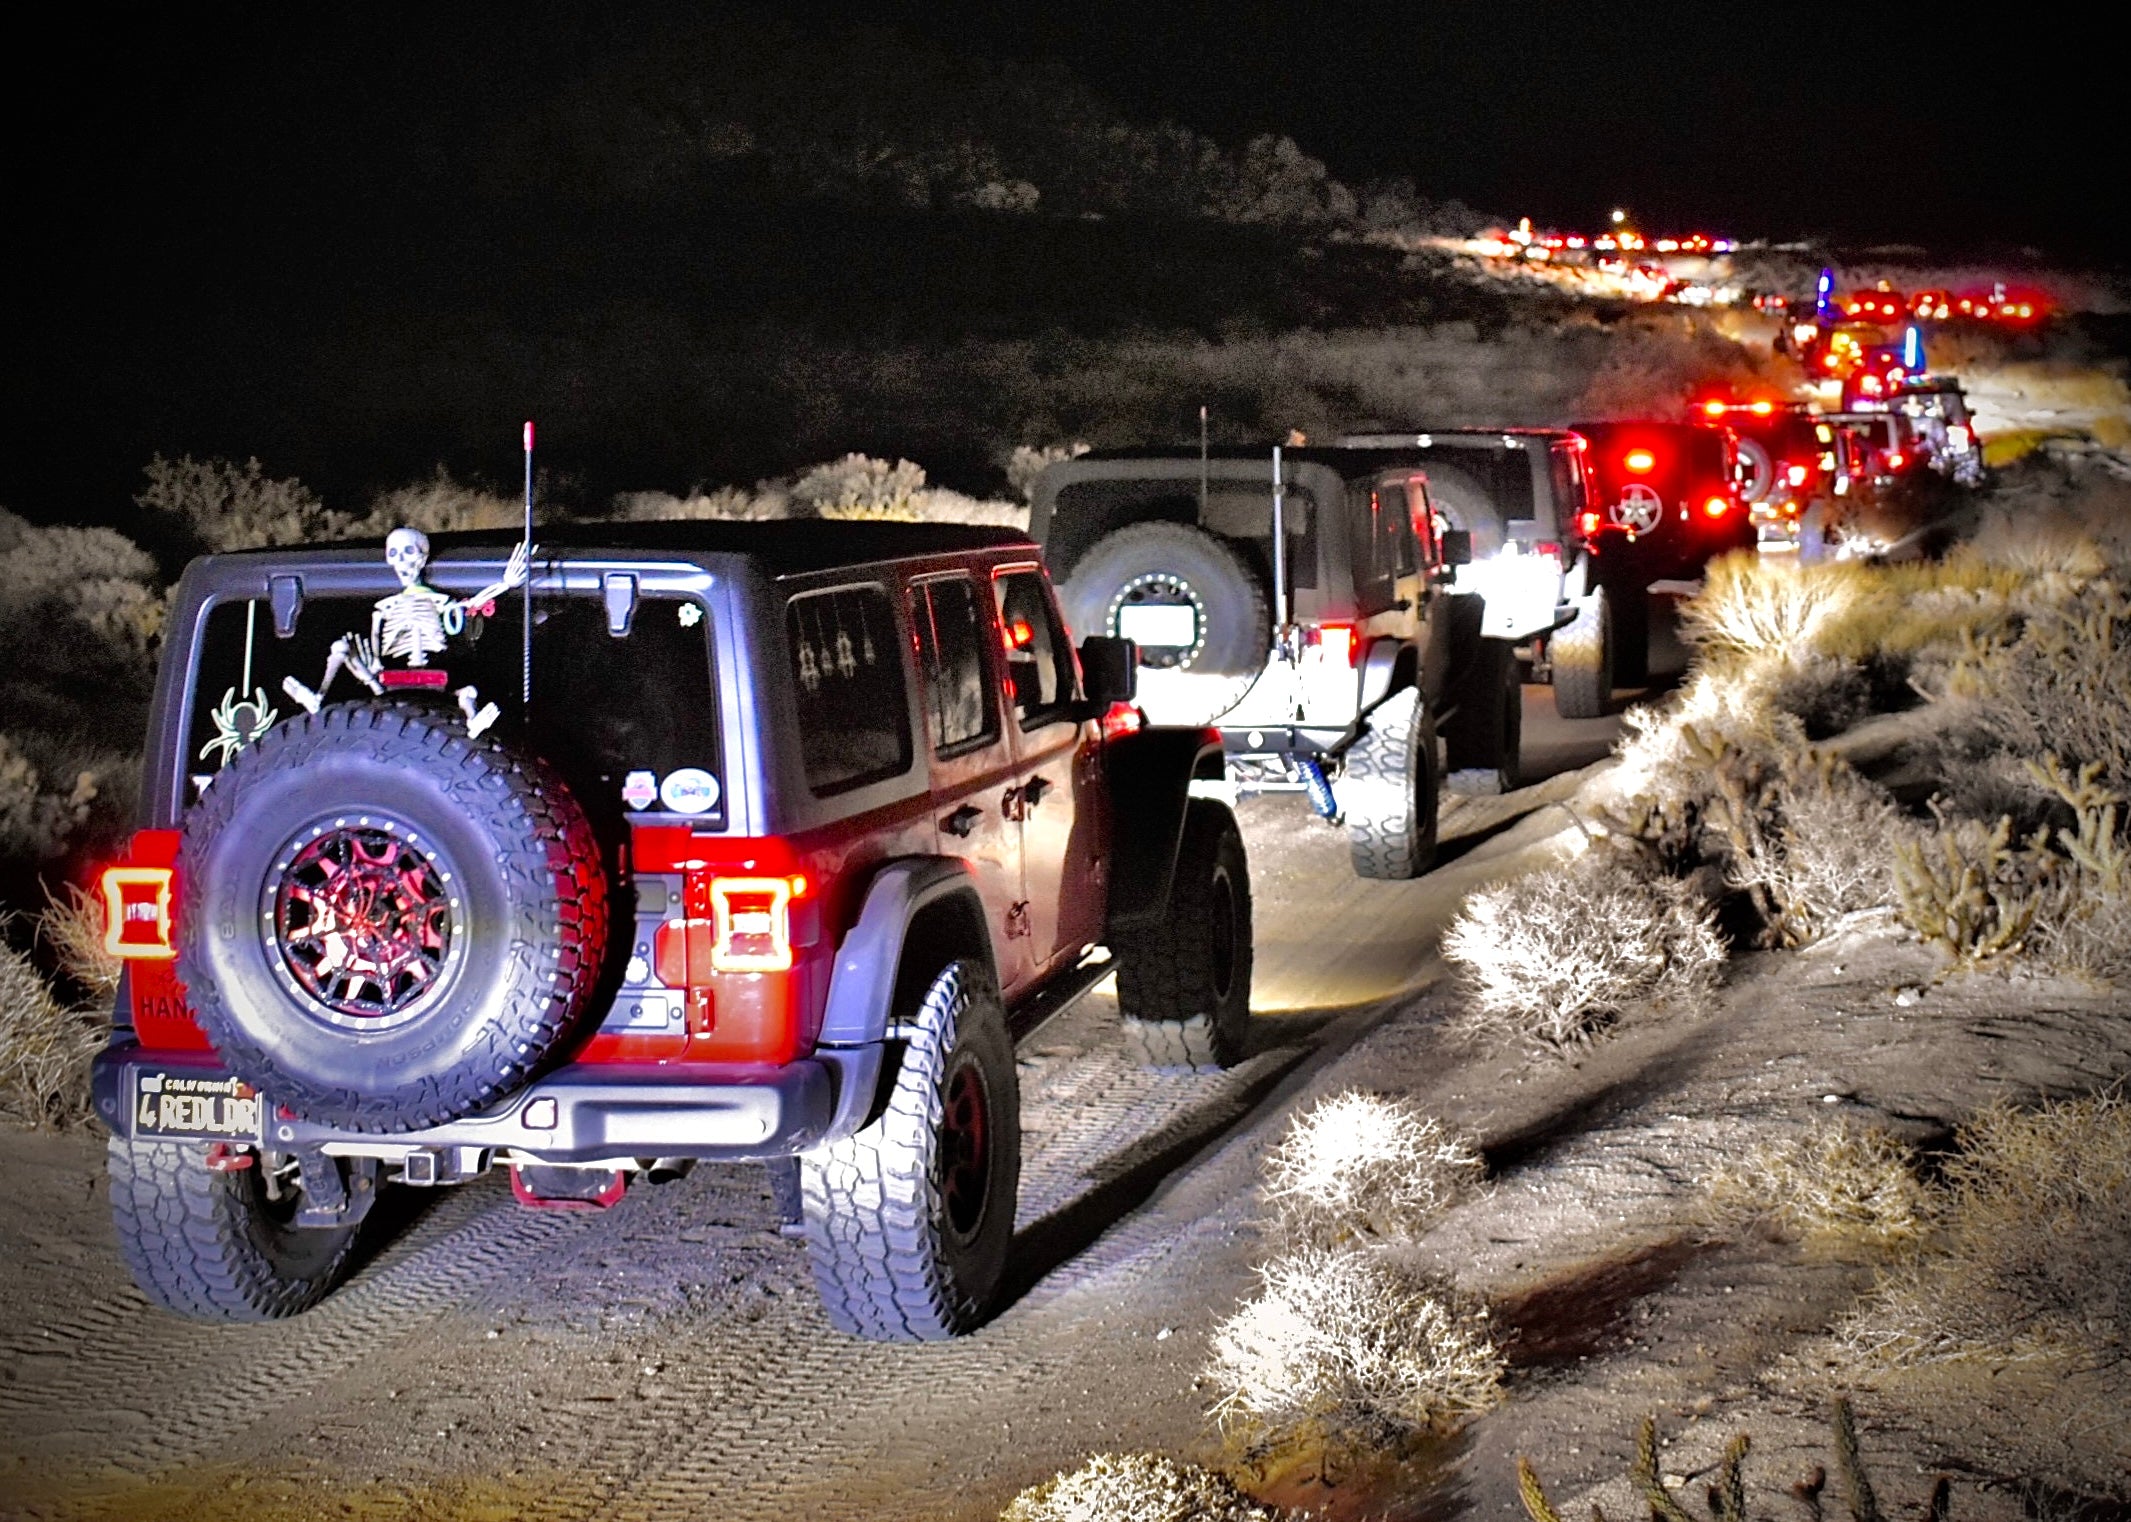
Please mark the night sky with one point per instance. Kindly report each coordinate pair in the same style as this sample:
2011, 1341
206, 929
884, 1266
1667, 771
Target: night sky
230, 225
1919, 123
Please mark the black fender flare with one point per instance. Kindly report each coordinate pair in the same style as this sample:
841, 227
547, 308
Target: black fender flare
869, 962
1150, 773
929, 894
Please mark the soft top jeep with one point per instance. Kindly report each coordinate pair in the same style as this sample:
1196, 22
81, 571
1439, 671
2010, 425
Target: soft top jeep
802, 826
1304, 600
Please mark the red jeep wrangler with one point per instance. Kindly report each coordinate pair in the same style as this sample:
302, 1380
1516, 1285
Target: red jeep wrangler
801, 827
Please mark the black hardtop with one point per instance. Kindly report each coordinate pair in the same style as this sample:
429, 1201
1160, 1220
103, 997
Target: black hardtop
777, 547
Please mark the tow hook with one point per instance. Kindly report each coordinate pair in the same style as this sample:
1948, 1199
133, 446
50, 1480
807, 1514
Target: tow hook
223, 1158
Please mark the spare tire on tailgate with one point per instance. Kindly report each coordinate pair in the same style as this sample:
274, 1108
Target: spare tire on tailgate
386, 924
1196, 607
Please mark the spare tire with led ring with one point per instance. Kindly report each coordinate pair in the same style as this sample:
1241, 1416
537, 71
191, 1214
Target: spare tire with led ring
1196, 608
385, 924
1760, 471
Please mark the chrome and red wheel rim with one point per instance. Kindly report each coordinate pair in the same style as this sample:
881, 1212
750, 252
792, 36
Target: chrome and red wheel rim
361, 915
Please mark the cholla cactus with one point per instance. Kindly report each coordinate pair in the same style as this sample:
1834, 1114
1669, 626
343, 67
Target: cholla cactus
44, 1047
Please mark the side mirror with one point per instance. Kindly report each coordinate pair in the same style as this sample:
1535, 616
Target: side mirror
1109, 670
1457, 546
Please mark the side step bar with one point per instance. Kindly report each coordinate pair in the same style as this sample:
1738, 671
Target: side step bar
1058, 995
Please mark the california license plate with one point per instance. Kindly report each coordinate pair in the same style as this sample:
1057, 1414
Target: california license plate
195, 1106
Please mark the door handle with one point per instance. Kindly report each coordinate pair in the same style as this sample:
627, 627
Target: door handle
962, 820
1032, 791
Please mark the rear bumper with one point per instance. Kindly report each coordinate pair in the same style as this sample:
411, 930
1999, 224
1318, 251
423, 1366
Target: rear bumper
577, 1114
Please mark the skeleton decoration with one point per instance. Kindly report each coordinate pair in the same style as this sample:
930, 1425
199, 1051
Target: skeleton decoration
412, 624
237, 724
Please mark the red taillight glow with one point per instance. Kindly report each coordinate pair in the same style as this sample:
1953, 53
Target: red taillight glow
1337, 642
1715, 507
753, 924
1763, 409
1641, 461
1590, 523
1714, 409
1896, 460
137, 913
1795, 474
1020, 634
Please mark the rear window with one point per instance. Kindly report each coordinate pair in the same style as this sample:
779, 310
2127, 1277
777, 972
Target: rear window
847, 677
612, 713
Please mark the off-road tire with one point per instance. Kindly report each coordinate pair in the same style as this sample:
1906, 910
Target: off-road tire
212, 1246
1388, 793
898, 1254
1629, 605
1183, 981
1484, 736
1581, 653
1230, 597
503, 840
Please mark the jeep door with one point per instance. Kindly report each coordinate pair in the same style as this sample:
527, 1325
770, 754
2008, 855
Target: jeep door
975, 772
1408, 550
1060, 789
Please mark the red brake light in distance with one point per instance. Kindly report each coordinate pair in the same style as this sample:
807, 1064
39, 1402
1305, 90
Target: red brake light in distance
1590, 523
1641, 461
1713, 409
137, 913
1897, 460
1715, 507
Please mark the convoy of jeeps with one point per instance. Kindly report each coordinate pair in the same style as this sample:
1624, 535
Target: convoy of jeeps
659, 844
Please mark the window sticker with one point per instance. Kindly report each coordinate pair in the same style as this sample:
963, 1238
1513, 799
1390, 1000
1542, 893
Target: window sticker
238, 724
640, 789
689, 791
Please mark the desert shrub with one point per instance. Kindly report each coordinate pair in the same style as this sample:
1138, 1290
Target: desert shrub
2063, 685
724, 503
79, 617
1555, 956
859, 486
2031, 1228
1752, 607
72, 924
36, 820
1026, 463
1136, 1487
1844, 1181
237, 507
440, 505
1363, 1166
1351, 1344
1824, 694
44, 1047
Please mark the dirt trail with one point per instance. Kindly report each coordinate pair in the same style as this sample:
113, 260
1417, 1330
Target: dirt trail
667, 1359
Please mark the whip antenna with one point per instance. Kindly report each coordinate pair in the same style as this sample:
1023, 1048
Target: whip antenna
526, 689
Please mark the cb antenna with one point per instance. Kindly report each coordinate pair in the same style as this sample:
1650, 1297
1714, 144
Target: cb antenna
525, 693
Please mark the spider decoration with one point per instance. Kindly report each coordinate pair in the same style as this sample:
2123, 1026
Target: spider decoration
237, 724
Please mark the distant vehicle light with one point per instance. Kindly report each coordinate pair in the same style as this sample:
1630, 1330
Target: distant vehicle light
1896, 460
1714, 409
1641, 461
1796, 474
1763, 408
1590, 523
1715, 507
